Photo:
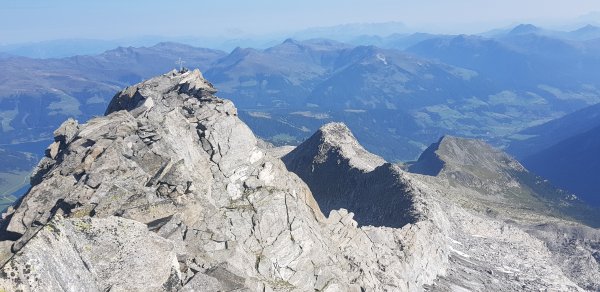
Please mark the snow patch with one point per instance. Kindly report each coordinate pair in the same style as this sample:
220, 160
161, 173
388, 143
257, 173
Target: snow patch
381, 58
460, 253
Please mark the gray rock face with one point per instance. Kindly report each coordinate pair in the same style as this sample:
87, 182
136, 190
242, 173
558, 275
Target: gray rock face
92, 254
468, 160
170, 191
219, 211
476, 200
500, 180
342, 174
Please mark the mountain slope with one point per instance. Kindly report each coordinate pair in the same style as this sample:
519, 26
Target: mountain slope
572, 164
473, 210
540, 137
278, 76
588, 32
488, 181
478, 166
368, 77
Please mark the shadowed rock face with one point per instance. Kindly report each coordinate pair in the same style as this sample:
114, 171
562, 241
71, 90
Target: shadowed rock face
342, 174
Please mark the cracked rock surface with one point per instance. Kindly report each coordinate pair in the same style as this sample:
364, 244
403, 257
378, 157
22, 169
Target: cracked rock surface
170, 191
496, 227
202, 202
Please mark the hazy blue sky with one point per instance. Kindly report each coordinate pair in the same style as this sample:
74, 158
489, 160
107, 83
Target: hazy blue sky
30, 20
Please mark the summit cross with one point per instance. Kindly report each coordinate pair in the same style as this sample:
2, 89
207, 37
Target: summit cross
180, 63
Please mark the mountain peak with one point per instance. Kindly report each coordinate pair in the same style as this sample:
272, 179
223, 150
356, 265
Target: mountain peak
524, 29
459, 153
148, 94
337, 132
338, 137
342, 174
500, 178
170, 45
290, 41
587, 28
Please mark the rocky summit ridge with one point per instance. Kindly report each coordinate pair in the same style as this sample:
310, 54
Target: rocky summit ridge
500, 180
171, 191
487, 224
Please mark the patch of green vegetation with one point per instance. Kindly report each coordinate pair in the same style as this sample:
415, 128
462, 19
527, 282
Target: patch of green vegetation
66, 105
10, 182
82, 212
52, 228
82, 225
281, 284
283, 139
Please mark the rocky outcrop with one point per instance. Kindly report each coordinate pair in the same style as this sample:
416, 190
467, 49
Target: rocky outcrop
499, 180
538, 218
170, 191
218, 210
91, 254
471, 162
342, 174
475, 198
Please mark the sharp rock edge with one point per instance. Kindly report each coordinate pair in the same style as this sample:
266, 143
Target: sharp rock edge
170, 191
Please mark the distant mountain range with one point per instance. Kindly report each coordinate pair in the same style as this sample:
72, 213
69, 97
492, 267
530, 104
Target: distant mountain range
584, 33
518, 60
62, 48
349, 32
397, 102
394, 35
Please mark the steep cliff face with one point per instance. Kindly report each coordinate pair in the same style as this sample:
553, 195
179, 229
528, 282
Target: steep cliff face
342, 174
170, 191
